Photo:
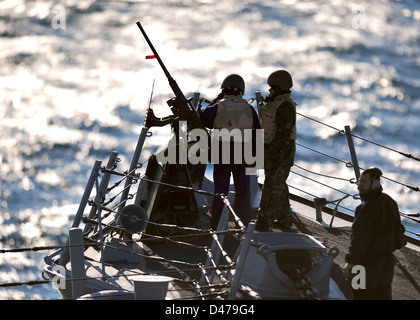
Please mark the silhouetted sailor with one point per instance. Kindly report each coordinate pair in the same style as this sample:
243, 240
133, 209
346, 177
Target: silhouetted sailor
230, 112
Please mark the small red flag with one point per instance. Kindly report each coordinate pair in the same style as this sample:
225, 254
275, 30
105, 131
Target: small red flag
151, 57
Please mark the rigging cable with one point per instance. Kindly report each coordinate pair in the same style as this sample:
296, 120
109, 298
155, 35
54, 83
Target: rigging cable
342, 132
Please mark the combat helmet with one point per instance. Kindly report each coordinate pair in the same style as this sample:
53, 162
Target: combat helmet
280, 78
234, 80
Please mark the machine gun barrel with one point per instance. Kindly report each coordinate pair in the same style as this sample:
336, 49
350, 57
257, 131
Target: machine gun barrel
183, 103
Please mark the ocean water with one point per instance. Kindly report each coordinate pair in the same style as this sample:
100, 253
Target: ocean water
74, 85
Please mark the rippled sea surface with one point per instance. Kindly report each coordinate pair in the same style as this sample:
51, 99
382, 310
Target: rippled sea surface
75, 83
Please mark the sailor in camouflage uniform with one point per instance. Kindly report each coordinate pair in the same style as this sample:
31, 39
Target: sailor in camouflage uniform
278, 119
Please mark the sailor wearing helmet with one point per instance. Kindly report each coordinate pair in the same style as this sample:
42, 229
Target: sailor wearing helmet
229, 111
278, 119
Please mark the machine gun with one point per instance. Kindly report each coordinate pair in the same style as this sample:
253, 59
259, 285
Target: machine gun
180, 106
165, 204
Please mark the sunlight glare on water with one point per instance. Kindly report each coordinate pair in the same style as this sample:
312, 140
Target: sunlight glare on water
74, 92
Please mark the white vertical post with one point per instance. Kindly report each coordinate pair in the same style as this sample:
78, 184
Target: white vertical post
102, 188
101, 235
352, 152
133, 165
86, 194
241, 260
77, 260
318, 209
214, 249
259, 99
65, 255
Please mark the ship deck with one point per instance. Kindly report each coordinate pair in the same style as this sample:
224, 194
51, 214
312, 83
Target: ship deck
406, 280
406, 275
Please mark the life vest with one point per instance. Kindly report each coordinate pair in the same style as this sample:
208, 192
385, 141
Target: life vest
267, 117
233, 112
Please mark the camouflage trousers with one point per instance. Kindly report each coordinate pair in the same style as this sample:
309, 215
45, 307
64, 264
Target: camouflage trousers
274, 202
